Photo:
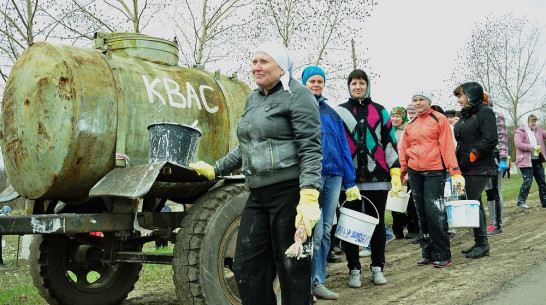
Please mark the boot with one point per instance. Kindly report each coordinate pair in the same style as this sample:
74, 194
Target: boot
479, 251
466, 251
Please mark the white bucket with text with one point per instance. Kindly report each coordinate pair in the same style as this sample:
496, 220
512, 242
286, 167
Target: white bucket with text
355, 227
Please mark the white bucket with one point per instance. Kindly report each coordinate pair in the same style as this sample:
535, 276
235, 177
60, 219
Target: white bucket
354, 227
3, 243
398, 203
463, 213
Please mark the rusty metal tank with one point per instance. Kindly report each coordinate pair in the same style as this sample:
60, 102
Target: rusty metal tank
67, 111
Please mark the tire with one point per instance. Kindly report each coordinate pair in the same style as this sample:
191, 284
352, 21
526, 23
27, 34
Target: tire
205, 245
61, 280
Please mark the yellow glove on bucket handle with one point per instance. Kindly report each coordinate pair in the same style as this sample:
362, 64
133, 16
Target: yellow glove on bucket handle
203, 169
458, 183
353, 193
308, 210
396, 184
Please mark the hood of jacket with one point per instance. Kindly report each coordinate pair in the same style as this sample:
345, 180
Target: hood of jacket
474, 93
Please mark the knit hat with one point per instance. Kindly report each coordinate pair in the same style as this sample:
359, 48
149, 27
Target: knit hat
450, 113
410, 109
280, 55
424, 94
401, 112
311, 71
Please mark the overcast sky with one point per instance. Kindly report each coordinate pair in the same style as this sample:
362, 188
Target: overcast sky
413, 44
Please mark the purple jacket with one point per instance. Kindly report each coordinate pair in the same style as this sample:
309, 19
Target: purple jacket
525, 149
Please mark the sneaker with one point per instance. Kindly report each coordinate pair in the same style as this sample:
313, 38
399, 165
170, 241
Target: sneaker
322, 292
338, 250
523, 206
377, 276
415, 240
390, 239
496, 231
365, 253
442, 264
491, 228
411, 236
354, 279
332, 258
424, 261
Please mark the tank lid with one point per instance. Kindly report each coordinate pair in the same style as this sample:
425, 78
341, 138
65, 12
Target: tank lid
145, 47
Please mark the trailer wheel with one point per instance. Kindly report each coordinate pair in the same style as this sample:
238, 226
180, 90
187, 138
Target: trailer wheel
62, 279
205, 246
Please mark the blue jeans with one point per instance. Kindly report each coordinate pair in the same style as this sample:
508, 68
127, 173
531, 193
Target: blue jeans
528, 173
331, 186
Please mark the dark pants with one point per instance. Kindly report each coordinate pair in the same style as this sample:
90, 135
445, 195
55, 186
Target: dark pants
427, 188
377, 243
408, 220
528, 173
266, 231
474, 186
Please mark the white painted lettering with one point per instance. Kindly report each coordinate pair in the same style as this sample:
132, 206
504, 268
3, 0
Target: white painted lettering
151, 91
202, 92
192, 95
175, 91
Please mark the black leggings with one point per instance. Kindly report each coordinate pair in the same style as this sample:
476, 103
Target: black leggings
474, 186
266, 231
377, 243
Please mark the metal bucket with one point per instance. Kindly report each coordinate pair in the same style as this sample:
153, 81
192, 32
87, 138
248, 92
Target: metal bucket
173, 142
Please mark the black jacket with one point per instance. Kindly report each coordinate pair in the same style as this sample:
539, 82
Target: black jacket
476, 132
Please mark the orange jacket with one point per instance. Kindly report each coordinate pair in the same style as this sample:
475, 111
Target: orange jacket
426, 142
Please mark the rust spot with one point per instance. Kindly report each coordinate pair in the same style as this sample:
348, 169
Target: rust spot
55, 178
79, 160
42, 131
42, 82
27, 102
62, 83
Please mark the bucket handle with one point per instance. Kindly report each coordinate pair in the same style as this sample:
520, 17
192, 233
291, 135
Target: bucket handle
364, 197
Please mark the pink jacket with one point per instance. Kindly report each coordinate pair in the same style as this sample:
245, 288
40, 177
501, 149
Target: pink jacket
525, 149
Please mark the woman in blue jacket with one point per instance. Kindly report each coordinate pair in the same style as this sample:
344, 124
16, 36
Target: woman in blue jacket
337, 169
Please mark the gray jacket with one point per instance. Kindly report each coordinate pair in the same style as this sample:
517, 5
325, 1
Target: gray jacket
279, 138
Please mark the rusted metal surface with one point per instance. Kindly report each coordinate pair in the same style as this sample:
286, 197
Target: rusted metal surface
67, 111
84, 223
136, 182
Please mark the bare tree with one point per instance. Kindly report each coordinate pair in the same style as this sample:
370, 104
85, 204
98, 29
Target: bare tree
205, 28
504, 54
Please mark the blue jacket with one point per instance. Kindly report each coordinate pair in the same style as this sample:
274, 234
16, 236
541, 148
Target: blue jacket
336, 156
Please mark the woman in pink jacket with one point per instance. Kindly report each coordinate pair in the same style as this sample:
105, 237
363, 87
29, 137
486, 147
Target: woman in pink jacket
529, 141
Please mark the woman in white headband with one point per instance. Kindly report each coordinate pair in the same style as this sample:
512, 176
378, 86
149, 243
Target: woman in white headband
280, 155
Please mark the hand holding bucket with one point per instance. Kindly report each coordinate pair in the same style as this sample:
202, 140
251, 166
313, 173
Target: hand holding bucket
355, 227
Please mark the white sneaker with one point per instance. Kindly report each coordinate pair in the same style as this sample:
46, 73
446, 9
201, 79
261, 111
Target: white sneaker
377, 276
354, 279
364, 253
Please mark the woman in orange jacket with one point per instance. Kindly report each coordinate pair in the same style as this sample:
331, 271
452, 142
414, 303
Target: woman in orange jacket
426, 151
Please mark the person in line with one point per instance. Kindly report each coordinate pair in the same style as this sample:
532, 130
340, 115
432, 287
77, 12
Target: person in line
411, 112
337, 169
280, 154
399, 119
6, 210
530, 149
493, 189
372, 142
426, 151
452, 116
476, 135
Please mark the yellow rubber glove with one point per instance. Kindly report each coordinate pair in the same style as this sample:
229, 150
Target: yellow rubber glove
308, 210
353, 194
457, 183
203, 169
396, 184
537, 150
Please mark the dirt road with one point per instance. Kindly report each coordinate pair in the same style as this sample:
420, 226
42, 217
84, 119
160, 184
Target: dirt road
519, 249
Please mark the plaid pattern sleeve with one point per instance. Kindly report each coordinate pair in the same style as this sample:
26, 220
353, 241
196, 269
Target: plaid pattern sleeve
503, 141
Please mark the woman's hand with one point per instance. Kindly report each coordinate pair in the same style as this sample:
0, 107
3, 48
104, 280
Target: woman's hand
308, 210
203, 169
